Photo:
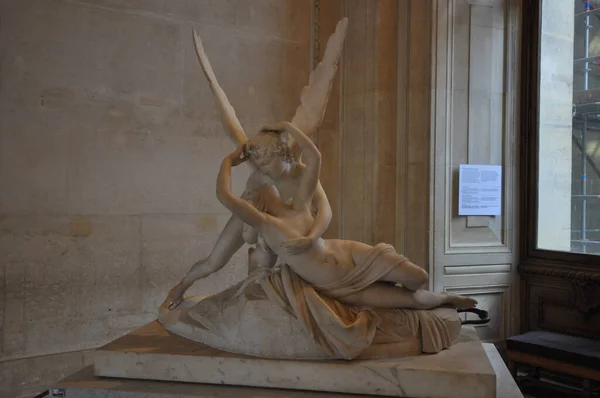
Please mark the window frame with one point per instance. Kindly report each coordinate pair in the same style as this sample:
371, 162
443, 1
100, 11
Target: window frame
529, 168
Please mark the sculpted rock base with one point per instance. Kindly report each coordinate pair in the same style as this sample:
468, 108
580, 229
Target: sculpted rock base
259, 317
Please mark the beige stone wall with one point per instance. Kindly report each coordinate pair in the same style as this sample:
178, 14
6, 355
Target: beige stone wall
109, 147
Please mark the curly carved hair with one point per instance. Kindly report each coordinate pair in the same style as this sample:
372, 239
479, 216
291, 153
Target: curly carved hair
269, 143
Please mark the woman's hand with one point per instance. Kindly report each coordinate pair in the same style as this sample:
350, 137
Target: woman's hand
239, 156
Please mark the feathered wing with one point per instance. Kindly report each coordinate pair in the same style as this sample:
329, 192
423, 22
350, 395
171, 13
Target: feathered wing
228, 116
314, 96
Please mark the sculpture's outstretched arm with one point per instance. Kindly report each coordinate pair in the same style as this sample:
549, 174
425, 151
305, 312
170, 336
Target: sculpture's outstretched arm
314, 96
238, 206
228, 116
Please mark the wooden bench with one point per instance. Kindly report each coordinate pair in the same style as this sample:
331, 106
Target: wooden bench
560, 353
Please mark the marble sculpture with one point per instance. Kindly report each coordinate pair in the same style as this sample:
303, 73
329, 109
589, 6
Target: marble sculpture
305, 297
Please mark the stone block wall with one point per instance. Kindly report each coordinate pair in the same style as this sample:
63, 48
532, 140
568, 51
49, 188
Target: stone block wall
109, 146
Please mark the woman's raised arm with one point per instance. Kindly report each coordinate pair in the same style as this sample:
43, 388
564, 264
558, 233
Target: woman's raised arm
244, 210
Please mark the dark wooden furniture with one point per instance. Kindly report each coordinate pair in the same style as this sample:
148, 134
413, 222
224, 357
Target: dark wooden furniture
556, 352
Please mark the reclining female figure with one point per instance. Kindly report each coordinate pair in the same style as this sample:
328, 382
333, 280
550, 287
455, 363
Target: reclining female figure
324, 263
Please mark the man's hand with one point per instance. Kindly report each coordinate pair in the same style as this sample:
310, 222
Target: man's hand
239, 156
298, 245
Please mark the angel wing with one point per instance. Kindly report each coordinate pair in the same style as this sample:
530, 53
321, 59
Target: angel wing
228, 116
314, 96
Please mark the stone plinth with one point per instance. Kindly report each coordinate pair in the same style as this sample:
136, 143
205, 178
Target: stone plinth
463, 371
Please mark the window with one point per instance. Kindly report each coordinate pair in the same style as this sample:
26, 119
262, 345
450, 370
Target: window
560, 156
562, 84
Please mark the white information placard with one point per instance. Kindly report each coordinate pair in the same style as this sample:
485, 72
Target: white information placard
479, 190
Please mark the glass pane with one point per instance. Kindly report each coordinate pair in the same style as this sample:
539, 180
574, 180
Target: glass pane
569, 130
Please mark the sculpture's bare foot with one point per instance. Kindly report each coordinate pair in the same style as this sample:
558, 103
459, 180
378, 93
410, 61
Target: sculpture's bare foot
462, 303
174, 298
175, 303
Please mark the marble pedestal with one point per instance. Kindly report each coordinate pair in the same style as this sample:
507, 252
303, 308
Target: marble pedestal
463, 371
